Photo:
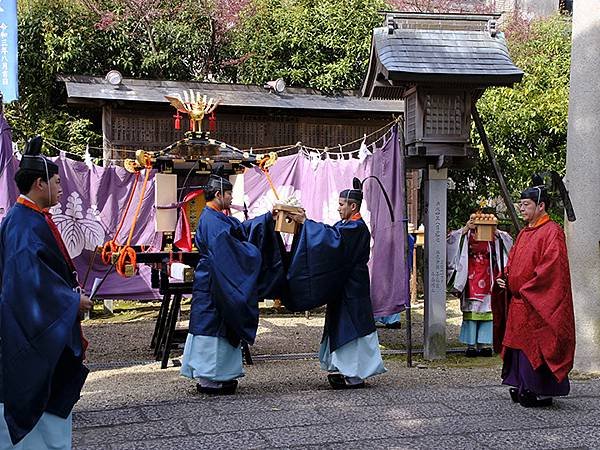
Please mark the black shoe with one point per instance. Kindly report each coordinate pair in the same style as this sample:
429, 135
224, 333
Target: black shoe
338, 381
514, 394
471, 352
393, 326
227, 388
485, 352
529, 400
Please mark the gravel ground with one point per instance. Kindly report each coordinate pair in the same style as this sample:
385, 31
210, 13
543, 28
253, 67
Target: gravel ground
116, 342
147, 383
124, 371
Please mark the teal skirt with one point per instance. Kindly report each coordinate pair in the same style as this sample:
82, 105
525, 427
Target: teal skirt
358, 358
50, 432
212, 358
474, 332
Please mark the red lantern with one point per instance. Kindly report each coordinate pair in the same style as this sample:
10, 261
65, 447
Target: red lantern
177, 118
212, 122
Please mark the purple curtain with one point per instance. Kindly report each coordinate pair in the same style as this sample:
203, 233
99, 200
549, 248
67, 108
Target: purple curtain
317, 182
94, 199
388, 264
91, 206
8, 167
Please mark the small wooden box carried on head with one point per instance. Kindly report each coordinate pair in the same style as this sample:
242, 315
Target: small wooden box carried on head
283, 223
485, 226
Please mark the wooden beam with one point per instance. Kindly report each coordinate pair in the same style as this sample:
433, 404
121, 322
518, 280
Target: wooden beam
490, 153
107, 133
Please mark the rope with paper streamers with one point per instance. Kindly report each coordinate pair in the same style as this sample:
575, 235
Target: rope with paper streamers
284, 148
259, 153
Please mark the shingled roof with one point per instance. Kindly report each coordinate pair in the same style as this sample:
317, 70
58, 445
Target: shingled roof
437, 49
89, 90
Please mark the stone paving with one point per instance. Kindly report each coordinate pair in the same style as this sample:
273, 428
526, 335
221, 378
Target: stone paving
286, 404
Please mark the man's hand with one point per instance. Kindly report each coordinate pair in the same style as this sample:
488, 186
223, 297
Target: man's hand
298, 217
501, 283
85, 304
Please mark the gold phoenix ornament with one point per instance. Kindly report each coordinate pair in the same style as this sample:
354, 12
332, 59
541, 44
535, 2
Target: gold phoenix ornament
193, 104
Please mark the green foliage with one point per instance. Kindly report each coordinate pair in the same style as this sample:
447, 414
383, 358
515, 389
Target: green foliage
322, 44
169, 39
48, 47
527, 124
64, 37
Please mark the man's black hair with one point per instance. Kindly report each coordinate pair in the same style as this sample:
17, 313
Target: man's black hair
358, 203
25, 179
210, 194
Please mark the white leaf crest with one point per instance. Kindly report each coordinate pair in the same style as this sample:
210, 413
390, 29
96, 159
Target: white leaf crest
78, 232
92, 231
71, 233
74, 206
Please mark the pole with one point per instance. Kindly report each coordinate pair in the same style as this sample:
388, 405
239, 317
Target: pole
490, 153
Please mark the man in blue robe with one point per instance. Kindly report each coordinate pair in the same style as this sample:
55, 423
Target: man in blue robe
329, 265
239, 263
41, 345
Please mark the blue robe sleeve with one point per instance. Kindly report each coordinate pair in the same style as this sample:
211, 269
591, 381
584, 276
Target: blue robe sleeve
260, 231
316, 270
235, 270
39, 311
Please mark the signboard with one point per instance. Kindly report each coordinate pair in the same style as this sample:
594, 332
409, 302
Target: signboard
8, 50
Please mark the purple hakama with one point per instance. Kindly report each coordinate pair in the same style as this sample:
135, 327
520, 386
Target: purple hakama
518, 372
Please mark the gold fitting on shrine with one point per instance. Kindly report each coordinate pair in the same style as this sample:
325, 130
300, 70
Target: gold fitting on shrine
129, 270
188, 274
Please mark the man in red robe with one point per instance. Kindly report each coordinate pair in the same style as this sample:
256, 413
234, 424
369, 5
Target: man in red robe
534, 325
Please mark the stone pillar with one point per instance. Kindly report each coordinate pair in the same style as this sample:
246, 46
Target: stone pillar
436, 185
583, 182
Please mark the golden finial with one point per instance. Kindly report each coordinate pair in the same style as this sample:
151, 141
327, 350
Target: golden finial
193, 104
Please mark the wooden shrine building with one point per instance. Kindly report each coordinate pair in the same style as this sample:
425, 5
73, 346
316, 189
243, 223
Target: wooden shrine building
136, 115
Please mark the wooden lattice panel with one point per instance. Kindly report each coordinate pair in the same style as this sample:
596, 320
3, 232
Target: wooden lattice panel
444, 115
132, 130
411, 117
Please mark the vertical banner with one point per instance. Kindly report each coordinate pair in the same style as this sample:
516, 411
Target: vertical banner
8, 50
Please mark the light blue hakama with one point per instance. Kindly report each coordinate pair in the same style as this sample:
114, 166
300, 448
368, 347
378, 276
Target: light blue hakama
50, 433
389, 320
211, 358
474, 332
359, 358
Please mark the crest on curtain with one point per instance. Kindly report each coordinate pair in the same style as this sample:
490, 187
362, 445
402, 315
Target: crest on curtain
79, 232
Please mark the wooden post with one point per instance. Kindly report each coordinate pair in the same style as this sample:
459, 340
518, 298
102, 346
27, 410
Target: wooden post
583, 182
490, 153
107, 133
